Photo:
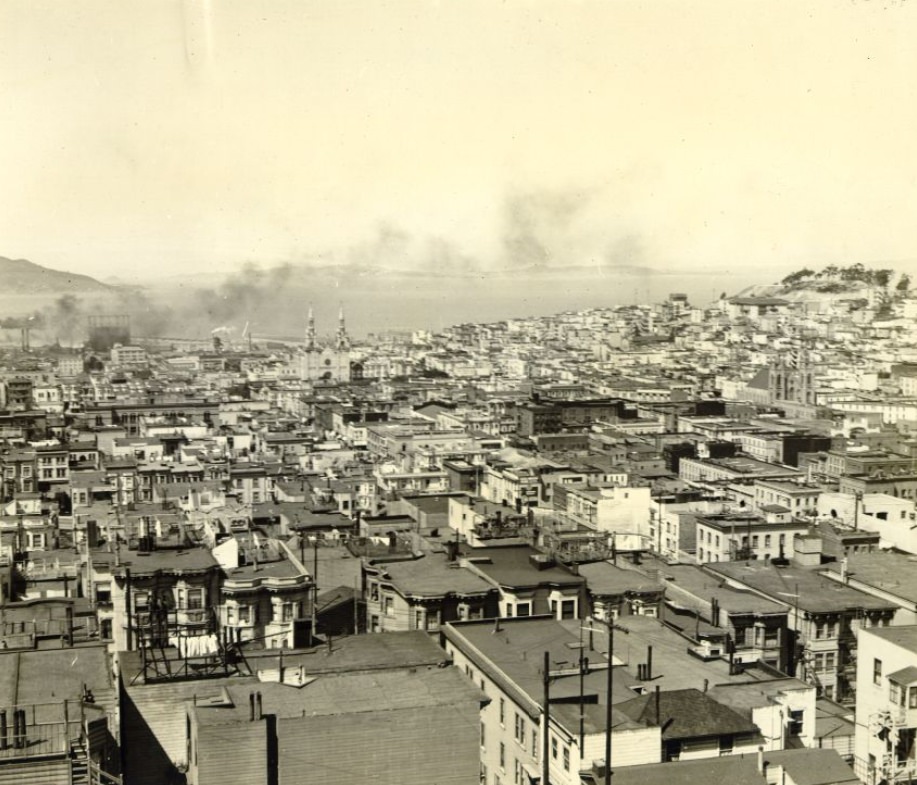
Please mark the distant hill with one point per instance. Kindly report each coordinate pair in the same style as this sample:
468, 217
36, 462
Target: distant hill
19, 276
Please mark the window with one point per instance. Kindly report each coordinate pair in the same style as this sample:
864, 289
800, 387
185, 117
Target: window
566, 758
553, 748
825, 629
35, 540
824, 662
374, 592
502, 756
912, 697
877, 671
523, 609
568, 609
796, 722
895, 694
195, 599
502, 712
519, 729
518, 773
482, 735
388, 606
535, 739
726, 745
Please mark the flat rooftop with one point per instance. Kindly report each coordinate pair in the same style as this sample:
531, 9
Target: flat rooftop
704, 586
796, 586
734, 769
510, 566
52, 675
347, 693
895, 573
743, 698
175, 561
604, 578
517, 649
905, 637
433, 576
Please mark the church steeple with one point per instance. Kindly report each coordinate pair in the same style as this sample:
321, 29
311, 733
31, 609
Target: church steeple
310, 332
343, 342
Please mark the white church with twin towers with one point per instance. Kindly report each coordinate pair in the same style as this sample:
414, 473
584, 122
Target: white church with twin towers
330, 362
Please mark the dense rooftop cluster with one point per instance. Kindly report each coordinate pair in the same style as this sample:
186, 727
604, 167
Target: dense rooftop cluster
498, 553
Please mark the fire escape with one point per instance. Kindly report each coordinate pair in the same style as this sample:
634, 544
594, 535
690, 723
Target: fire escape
182, 643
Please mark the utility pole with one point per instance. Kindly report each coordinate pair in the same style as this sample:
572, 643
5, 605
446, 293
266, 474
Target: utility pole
612, 626
314, 586
546, 730
356, 606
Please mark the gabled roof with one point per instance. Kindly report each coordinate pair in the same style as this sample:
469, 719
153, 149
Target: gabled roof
687, 714
905, 676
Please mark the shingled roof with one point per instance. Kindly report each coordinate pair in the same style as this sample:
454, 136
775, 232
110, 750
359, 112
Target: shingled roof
686, 714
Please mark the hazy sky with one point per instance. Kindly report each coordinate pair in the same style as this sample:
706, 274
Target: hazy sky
141, 137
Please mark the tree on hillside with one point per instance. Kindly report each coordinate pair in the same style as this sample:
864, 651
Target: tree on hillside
882, 278
799, 275
904, 284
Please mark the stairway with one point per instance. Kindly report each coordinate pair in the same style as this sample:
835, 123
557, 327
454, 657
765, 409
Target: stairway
79, 764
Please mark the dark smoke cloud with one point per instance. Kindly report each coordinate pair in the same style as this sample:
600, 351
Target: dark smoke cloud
244, 296
537, 223
64, 322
